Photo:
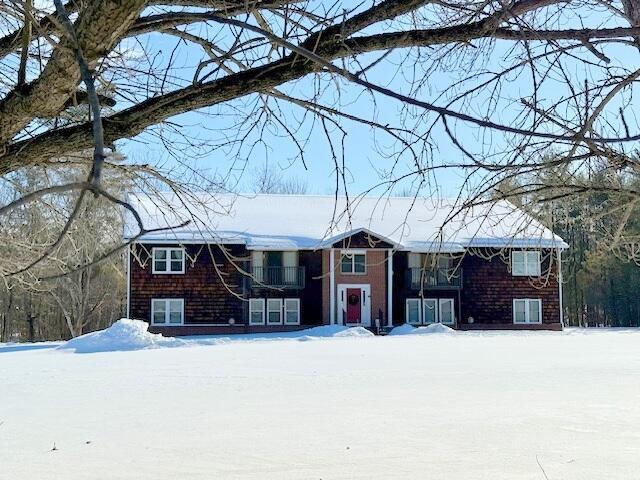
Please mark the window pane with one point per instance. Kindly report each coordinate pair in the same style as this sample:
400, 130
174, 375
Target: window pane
256, 311
534, 311
446, 311
175, 311
533, 263
160, 266
292, 314
429, 315
519, 311
176, 266
346, 265
160, 254
159, 308
414, 260
274, 311
413, 310
176, 254
359, 263
518, 266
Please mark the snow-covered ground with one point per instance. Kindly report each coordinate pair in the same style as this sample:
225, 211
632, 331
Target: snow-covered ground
439, 406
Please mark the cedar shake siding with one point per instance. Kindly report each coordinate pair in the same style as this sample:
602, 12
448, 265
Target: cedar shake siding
489, 289
208, 303
487, 293
206, 297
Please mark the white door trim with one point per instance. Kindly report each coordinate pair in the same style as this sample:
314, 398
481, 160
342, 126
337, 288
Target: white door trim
366, 302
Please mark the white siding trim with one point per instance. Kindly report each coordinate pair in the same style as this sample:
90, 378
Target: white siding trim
332, 287
129, 281
390, 288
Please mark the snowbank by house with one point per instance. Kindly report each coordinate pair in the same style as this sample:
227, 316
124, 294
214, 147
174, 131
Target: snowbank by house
336, 331
407, 329
126, 335
123, 335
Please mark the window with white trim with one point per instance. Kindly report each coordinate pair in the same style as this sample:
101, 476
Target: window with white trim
525, 263
527, 310
426, 311
292, 311
413, 311
167, 311
274, 311
168, 260
278, 311
256, 311
353, 262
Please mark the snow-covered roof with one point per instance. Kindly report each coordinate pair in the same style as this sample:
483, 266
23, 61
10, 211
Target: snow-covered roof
291, 222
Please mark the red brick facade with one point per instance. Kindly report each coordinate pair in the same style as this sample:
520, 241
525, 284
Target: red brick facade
375, 277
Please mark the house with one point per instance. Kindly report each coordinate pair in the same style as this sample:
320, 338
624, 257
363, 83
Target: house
284, 262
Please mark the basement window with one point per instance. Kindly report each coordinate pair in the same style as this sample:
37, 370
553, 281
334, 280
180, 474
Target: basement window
527, 310
167, 311
168, 260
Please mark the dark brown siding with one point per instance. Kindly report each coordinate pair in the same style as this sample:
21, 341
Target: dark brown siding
401, 290
206, 295
489, 289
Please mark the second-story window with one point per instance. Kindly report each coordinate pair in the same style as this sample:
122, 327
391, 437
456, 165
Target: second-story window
353, 262
168, 260
525, 263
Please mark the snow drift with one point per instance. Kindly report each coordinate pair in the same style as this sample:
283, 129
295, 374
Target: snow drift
127, 335
407, 329
124, 335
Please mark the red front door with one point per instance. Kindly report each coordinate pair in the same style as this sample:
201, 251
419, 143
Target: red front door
354, 305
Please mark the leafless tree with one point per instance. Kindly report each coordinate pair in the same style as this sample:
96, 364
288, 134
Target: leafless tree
496, 82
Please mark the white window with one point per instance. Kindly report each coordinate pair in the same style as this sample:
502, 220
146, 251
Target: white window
429, 310
413, 311
274, 311
445, 312
167, 311
525, 263
168, 260
527, 310
292, 311
353, 261
414, 260
257, 263
256, 311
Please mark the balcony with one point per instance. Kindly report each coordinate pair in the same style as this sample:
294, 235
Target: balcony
434, 278
277, 277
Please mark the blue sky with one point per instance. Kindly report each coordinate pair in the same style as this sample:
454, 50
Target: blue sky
368, 154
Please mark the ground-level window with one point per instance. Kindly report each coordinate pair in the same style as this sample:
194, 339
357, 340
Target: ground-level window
292, 311
278, 311
525, 263
413, 311
168, 260
167, 311
274, 311
527, 310
256, 311
430, 310
353, 261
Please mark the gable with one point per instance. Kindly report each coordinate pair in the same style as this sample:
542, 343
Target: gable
362, 239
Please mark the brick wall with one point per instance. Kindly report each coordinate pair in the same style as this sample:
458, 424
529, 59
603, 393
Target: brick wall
375, 276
